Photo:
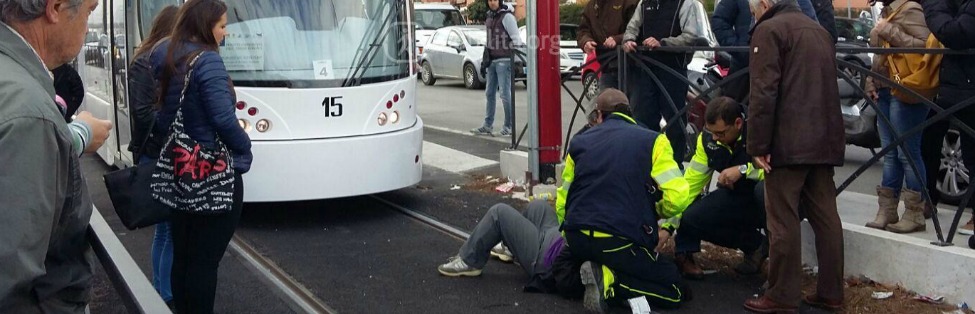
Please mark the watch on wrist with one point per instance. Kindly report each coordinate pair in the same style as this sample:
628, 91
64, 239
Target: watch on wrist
743, 169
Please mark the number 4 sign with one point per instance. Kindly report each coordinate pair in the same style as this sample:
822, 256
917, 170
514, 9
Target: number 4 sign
323, 70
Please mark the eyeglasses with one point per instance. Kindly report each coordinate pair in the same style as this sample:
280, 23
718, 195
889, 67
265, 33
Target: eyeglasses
720, 133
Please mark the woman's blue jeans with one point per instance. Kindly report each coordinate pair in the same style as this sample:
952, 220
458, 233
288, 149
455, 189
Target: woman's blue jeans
898, 172
162, 255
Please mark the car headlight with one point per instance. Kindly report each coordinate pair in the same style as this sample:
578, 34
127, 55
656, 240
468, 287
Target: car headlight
563, 55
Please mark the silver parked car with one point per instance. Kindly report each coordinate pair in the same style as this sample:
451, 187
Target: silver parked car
455, 52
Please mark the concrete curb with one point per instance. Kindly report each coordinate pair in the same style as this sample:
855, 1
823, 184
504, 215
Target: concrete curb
909, 260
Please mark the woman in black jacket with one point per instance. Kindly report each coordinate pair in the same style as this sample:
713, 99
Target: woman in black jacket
953, 23
208, 115
143, 95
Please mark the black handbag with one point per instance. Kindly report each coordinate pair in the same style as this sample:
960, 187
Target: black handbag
130, 194
129, 190
191, 176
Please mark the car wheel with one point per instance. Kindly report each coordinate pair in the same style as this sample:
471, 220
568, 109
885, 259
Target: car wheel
853, 74
590, 83
471, 80
953, 176
426, 74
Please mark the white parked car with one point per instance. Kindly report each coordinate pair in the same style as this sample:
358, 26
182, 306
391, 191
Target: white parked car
430, 17
571, 57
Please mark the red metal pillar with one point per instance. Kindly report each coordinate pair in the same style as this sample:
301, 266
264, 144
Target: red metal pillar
549, 88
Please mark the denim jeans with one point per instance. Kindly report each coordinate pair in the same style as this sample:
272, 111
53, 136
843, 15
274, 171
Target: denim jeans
162, 254
903, 117
498, 76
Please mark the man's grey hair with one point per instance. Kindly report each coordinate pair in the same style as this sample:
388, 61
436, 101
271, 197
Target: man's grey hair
751, 3
27, 10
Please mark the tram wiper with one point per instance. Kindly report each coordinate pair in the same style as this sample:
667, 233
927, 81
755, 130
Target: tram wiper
371, 48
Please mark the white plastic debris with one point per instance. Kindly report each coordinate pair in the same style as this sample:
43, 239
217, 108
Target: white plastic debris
639, 305
455, 187
880, 295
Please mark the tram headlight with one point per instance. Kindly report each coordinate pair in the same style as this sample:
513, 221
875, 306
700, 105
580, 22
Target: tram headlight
382, 118
262, 125
244, 125
394, 117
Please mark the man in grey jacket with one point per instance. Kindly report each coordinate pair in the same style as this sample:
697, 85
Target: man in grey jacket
662, 23
44, 204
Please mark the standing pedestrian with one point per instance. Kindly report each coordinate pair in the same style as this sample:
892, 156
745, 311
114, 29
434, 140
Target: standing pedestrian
200, 240
496, 64
662, 23
44, 252
601, 31
902, 26
796, 136
953, 23
143, 96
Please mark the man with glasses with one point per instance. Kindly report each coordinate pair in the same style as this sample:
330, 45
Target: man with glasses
732, 215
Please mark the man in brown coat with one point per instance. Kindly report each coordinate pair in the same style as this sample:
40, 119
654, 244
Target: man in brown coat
796, 135
601, 30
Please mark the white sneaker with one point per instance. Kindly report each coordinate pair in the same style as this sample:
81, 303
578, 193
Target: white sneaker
969, 228
502, 253
456, 267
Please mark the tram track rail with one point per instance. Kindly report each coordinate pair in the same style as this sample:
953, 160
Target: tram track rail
293, 293
299, 298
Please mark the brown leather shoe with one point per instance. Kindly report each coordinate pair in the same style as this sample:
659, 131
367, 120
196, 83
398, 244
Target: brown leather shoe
687, 266
766, 305
817, 301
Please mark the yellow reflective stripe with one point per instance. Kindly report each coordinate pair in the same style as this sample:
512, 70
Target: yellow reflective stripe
596, 234
608, 280
628, 118
664, 170
618, 249
699, 167
655, 295
754, 173
562, 193
651, 255
698, 174
667, 176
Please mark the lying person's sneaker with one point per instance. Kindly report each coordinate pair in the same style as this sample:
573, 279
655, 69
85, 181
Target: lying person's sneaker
688, 267
969, 228
505, 132
592, 277
456, 267
502, 253
482, 131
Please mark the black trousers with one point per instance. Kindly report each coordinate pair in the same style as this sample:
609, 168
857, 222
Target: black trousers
649, 103
729, 218
199, 242
637, 271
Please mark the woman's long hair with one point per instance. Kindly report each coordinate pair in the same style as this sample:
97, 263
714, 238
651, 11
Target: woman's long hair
194, 24
162, 26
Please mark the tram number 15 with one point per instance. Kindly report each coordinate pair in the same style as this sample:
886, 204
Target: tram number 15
332, 106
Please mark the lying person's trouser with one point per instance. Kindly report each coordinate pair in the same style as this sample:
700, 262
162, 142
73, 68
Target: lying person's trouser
528, 236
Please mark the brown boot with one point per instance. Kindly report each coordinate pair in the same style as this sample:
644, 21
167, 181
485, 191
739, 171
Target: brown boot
687, 266
913, 219
887, 213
